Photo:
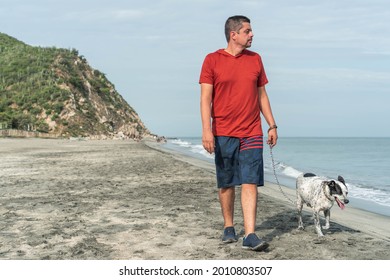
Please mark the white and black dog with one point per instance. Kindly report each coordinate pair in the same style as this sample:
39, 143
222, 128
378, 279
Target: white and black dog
320, 194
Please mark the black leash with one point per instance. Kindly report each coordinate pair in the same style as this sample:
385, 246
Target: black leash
276, 177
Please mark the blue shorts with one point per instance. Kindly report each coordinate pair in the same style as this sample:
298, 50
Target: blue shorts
239, 161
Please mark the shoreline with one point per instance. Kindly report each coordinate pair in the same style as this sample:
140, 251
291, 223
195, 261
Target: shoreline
284, 180
351, 216
125, 200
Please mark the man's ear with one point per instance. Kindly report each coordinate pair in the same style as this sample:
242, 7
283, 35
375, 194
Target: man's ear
233, 35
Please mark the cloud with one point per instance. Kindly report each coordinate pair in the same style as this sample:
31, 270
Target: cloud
328, 22
340, 80
98, 15
127, 14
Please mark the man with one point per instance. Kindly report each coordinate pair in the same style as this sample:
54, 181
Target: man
233, 95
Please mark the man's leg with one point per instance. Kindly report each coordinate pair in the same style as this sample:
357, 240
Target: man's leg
249, 207
226, 199
226, 162
252, 171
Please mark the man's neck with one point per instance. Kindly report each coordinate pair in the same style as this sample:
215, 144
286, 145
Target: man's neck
234, 51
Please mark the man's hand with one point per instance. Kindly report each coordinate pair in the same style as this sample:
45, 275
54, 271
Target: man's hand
272, 137
208, 141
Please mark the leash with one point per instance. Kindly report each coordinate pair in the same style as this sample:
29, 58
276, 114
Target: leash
276, 177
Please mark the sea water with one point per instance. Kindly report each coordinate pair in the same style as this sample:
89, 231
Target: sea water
364, 163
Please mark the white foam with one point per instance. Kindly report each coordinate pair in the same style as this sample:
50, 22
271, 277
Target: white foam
286, 170
198, 149
193, 148
181, 143
291, 172
376, 195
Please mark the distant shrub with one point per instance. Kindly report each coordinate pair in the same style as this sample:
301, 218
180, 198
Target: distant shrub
58, 107
36, 110
42, 126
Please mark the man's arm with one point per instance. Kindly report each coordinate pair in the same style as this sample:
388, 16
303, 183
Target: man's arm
205, 111
265, 108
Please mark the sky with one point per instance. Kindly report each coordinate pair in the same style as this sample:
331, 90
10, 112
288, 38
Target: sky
327, 62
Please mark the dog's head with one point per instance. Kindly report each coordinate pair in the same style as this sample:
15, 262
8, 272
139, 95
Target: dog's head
339, 191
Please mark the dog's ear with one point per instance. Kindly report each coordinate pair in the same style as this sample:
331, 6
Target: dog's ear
341, 179
332, 184
334, 188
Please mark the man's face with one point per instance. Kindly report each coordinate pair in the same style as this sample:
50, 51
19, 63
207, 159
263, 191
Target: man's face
244, 36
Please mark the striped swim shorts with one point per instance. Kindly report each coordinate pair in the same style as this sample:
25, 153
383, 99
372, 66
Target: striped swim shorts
239, 161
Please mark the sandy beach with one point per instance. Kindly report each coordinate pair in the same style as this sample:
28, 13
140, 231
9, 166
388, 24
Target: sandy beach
125, 200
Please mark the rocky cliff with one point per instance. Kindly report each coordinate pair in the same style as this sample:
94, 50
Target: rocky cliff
56, 91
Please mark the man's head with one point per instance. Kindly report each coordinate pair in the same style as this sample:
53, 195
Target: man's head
234, 23
238, 31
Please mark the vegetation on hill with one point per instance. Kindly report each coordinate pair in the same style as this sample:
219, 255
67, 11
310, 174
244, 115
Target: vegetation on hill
54, 90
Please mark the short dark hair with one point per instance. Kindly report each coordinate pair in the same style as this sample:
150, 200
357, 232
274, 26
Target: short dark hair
234, 23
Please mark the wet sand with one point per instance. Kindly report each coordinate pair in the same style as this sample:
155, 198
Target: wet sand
123, 200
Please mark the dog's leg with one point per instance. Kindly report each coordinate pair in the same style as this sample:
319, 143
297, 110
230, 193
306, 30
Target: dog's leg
317, 223
299, 207
327, 219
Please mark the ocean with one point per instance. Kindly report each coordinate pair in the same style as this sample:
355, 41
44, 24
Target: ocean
364, 163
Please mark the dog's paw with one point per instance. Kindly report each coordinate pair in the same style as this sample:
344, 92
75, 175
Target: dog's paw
326, 227
301, 227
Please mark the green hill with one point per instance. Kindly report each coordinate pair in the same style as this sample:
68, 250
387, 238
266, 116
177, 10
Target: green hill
54, 90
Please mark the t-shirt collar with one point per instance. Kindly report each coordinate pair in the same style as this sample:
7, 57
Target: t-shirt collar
222, 51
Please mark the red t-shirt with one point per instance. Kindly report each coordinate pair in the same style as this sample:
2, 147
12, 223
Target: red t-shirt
235, 102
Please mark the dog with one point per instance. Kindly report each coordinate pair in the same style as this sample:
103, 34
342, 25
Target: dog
320, 193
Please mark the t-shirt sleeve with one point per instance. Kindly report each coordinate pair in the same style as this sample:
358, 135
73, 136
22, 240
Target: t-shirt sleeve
207, 73
262, 80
